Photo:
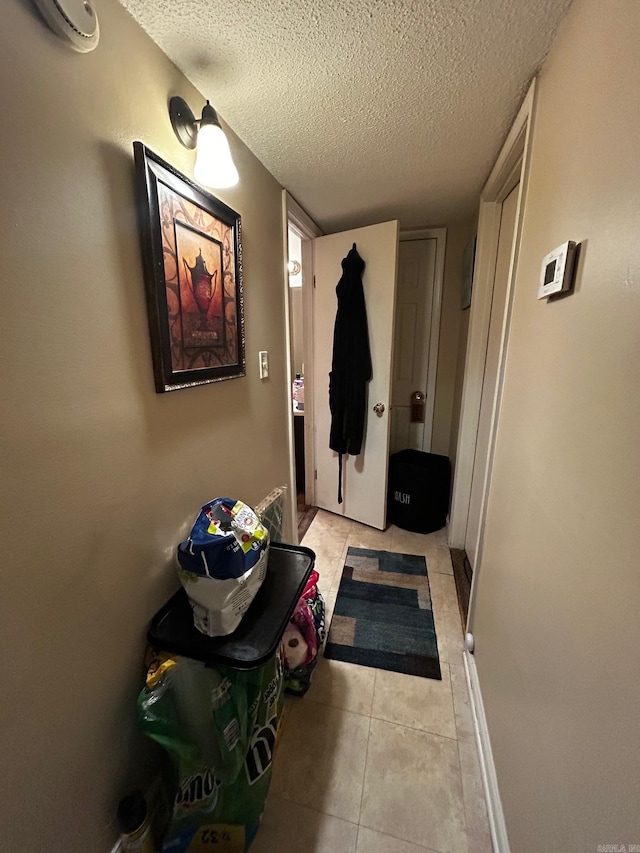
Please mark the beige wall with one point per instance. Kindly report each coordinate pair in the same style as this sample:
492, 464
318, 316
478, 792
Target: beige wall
102, 475
458, 234
556, 621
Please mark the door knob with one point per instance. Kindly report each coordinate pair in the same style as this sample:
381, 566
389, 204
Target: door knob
379, 409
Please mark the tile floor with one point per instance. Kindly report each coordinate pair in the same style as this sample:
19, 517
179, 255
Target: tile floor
371, 761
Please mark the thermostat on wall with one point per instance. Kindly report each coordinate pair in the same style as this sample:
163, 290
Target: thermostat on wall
556, 274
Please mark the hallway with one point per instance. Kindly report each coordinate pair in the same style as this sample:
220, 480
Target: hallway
371, 760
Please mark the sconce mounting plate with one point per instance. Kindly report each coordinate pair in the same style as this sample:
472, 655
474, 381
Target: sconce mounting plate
183, 122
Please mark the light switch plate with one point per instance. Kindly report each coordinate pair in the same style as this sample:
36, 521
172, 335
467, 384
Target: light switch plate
263, 363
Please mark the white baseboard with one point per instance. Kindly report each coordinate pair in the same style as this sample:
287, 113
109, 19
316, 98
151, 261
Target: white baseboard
495, 814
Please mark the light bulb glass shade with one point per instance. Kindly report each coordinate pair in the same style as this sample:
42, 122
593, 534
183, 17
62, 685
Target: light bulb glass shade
214, 165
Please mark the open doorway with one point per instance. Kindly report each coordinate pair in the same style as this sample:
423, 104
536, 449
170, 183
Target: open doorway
500, 223
314, 263
300, 231
305, 510
313, 270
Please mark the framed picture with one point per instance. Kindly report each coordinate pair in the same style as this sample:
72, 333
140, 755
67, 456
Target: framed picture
468, 260
192, 255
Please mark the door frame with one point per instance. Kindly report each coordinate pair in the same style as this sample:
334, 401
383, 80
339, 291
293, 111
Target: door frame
294, 214
440, 236
513, 162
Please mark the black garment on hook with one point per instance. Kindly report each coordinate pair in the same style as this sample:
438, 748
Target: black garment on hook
351, 364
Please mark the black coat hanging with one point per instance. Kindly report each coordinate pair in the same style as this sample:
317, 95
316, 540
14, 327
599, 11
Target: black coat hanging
351, 363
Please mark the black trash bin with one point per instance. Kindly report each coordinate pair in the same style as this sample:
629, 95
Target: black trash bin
419, 485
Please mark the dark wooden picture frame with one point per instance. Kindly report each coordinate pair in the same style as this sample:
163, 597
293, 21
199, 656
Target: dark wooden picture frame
192, 257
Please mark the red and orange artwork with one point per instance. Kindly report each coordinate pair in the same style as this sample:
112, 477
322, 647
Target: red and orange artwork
192, 263
199, 265
200, 288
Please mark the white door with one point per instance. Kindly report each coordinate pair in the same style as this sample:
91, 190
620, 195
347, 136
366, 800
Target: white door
498, 308
365, 475
414, 303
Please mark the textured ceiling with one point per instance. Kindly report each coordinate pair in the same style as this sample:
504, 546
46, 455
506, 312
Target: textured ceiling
363, 110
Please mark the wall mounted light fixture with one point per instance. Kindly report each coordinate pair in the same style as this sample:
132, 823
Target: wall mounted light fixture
214, 165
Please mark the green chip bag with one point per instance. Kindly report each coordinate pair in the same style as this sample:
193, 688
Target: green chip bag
219, 727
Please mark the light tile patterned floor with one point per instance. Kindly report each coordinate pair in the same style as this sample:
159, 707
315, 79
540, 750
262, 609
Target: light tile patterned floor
372, 761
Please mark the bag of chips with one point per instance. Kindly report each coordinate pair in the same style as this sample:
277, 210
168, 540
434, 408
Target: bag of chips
222, 564
219, 727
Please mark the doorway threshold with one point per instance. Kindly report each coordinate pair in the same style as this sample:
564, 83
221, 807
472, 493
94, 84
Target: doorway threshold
463, 574
306, 514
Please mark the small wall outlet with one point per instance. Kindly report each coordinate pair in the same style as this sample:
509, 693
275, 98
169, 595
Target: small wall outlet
263, 361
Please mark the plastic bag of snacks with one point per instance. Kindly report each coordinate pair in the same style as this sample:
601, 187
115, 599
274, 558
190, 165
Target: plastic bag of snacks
222, 564
219, 727
304, 638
